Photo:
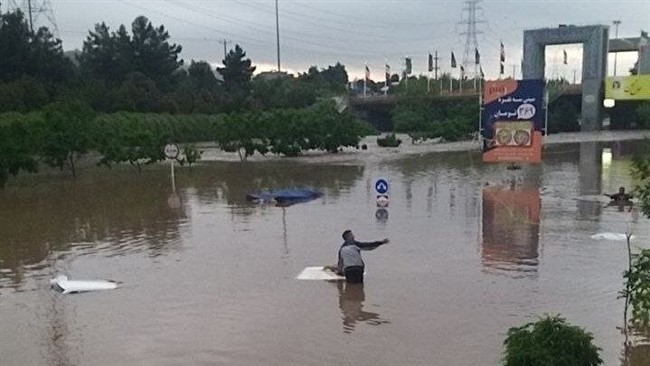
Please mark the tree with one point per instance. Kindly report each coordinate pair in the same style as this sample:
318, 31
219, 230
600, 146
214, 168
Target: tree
137, 93
66, 134
112, 56
106, 55
550, 342
16, 146
130, 137
152, 54
36, 54
201, 76
237, 73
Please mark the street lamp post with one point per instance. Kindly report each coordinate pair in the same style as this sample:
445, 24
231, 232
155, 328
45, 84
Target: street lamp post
616, 24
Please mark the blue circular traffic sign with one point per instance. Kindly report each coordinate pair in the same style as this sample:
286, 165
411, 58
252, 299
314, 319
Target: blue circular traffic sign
381, 186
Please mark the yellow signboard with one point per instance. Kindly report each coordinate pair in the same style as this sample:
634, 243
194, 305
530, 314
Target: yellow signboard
635, 87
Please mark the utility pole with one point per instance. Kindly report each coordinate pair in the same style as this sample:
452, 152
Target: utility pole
31, 22
225, 50
277, 31
616, 23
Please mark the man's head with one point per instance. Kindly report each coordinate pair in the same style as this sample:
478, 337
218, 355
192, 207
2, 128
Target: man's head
621, 190
347, 235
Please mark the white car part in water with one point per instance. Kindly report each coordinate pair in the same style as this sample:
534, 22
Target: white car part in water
318, 273
611, 236
66, 286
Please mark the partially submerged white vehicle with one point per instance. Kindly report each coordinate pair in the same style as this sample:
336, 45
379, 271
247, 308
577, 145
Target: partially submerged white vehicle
64, 285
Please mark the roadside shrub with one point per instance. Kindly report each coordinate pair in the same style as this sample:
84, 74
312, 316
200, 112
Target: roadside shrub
389, 141
550, 341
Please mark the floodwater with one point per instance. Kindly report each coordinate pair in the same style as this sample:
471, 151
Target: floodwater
209, 279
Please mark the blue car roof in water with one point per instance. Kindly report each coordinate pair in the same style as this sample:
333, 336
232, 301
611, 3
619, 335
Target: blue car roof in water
285, 194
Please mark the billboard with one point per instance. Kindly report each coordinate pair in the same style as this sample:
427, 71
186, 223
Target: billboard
512, 121
634, 87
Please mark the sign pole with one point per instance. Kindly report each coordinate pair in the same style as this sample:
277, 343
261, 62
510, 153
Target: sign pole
173, 180
171, 152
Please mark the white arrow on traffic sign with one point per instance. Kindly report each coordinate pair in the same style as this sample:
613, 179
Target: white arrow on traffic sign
381, 186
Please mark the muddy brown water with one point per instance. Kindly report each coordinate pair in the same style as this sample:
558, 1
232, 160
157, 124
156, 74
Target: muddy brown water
208, 278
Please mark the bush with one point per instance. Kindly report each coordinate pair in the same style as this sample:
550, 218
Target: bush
550, 342
389, 141
641, 174
643, 115
66, 134
16, 146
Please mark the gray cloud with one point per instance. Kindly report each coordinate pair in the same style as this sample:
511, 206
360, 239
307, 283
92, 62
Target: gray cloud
352, 32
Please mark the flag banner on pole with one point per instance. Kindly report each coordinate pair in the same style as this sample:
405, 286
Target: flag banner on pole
453, 60
430, 62
409, 66
503, 53
477, 57
565, 58
367, 73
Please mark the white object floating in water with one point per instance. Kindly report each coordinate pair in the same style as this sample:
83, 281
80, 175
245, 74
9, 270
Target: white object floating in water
66, 286
610, 236
319, 273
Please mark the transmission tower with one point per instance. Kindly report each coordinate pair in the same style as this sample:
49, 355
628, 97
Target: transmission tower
38, 13
469, 20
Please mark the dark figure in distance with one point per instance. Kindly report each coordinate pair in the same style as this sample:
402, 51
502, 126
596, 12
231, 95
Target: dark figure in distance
620, 199
621, 196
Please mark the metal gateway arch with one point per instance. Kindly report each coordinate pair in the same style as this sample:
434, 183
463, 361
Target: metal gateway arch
595, 41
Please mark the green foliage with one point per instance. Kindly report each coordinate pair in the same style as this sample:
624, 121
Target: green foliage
37, 54
16, 146
290, 131
551, 341
326, 82
66, 134
237, 72
426, 118
191, 155
138, 138
389, 141
112, 56
23, 95
201, 76
562, 117
137, 93
283, 92
641, 174
638, 289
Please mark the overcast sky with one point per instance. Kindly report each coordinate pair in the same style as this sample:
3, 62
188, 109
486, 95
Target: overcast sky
319, 32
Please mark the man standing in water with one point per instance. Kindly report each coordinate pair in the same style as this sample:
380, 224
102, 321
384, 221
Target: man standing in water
350, 262
621, 196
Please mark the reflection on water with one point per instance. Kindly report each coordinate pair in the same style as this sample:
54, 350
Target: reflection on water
351, 298
511, 219
590, 169
209, 277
